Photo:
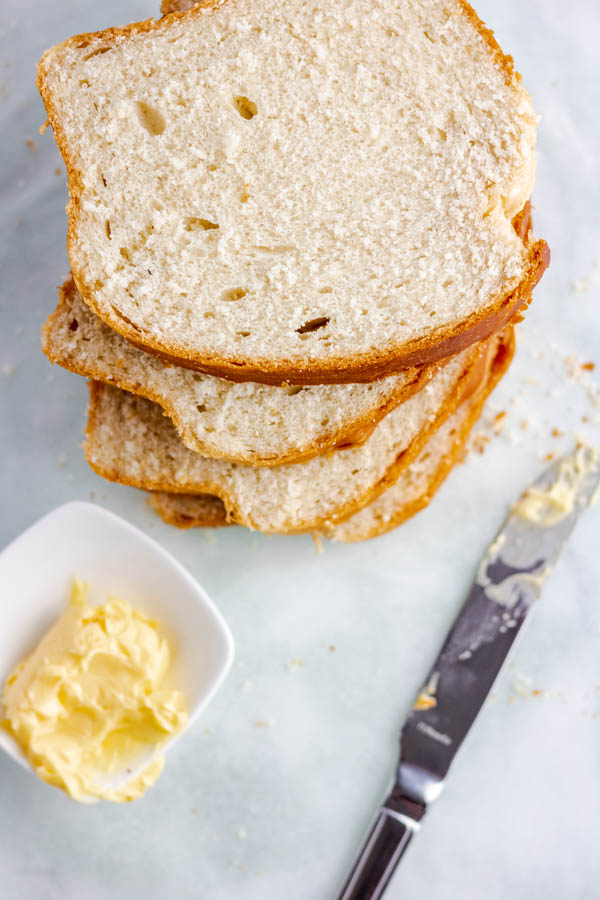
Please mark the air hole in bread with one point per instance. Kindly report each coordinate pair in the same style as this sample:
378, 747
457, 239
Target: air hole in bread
150, 118
107, 228
103, 180
73, 325
193, 223
442, 134
246, 108
325, 421
293, 389
326, 290
83, 82
364, 312
125, 254
209, 429
233, 294
313, 325
428, 36
201, 407
209, 315
244, 333
244, 195
98, 52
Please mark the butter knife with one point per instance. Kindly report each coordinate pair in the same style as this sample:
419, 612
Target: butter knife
508, 581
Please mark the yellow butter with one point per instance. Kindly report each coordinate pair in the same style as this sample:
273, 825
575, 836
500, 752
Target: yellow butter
90, 700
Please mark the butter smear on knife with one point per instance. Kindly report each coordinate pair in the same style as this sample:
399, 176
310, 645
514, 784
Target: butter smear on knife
89, 703
549, 506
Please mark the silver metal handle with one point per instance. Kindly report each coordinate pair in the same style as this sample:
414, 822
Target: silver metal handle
381, 852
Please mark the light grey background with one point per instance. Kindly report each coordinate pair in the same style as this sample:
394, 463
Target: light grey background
264, 813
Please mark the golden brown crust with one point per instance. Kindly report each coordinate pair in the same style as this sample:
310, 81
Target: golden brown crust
354, 432
497, 345
447, 462
366, 367
193, 511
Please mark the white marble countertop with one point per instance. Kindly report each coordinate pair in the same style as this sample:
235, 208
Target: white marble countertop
263, 813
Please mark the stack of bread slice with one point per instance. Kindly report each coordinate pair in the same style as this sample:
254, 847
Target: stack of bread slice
299, 238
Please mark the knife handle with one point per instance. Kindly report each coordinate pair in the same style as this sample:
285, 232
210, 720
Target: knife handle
387, 840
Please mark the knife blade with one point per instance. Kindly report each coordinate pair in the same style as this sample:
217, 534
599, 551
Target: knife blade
508, 582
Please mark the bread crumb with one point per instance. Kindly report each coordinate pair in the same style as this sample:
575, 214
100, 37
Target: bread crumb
8, 369
43, 127
58, 171
62, 460
318, 542
556, 433
242, 834
31, 144
332, 648
580, 285
588, 366
480, 442
296, 664
265, 723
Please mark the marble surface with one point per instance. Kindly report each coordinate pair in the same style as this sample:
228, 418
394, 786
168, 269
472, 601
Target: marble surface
331, 647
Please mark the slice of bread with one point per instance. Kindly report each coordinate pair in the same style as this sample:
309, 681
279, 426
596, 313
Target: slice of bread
254, 424
130, 441
413, 490
280, 192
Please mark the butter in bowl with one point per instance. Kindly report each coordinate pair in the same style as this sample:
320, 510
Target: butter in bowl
99, 678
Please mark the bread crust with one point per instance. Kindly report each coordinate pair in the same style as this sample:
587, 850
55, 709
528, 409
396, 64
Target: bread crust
208, 511
500, 347
365, 367
355, 431
445, 464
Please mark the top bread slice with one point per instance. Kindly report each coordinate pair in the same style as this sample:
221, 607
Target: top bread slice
273, 191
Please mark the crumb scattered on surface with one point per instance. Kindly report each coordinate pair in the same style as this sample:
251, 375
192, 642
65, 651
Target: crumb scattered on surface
580, 285
296, 664
8, 369
31, 144
265, 723
318, 542
331, 647
58, 171
62, 460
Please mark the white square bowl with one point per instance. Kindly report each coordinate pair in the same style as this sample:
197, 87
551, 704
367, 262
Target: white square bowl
81, 540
